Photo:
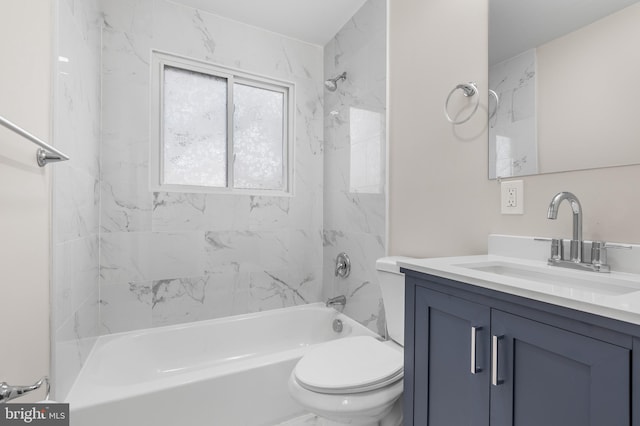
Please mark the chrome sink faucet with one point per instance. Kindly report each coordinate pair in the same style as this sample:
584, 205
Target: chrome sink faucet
598, 259
576, 248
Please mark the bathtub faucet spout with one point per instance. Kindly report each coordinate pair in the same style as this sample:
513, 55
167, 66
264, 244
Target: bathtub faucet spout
338, 300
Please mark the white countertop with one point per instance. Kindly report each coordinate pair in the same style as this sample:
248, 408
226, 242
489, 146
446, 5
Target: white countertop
614, 295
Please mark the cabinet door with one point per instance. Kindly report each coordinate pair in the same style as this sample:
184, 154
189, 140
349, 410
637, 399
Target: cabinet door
553, 377
446, 391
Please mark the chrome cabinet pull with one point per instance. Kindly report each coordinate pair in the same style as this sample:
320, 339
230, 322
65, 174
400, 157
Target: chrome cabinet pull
494, 360
474, 339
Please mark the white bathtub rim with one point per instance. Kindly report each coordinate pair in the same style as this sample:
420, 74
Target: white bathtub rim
82, 398
111, 394
171, 348
203, 323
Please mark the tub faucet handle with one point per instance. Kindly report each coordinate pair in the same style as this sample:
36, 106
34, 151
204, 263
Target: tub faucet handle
343, 265
8, 392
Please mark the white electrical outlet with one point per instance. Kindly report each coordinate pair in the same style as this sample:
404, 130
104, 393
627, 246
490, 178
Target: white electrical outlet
512, 197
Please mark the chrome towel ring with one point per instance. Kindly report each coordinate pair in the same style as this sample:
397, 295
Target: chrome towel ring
495, 95
468, 90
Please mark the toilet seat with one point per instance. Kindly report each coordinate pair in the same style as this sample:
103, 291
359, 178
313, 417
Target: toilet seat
350, 365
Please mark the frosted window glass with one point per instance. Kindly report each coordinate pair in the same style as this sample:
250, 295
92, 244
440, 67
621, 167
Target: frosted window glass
367, 132
195, 128
258, 138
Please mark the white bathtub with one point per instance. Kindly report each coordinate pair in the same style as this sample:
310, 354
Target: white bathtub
224, 372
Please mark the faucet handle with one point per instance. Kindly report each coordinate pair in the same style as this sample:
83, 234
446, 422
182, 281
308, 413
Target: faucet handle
617, 246
557, 249
343, 265
599, 253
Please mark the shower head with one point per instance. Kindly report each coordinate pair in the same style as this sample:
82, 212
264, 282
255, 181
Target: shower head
332, 83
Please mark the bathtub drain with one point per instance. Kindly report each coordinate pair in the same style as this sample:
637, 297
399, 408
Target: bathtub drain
337, 325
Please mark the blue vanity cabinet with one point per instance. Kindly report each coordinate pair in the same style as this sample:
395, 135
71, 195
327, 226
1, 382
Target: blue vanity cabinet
554, 377
532, 367
451, 335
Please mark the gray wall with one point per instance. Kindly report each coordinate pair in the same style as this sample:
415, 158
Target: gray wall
25, 214
441, 202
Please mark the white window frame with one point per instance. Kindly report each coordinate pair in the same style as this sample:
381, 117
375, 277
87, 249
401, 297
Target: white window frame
159, 60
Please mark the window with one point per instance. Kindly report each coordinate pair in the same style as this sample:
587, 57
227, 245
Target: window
219, 130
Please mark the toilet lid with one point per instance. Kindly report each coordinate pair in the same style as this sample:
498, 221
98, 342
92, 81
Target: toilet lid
349, 365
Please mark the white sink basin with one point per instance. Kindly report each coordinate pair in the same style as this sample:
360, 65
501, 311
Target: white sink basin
517, 266
557, 280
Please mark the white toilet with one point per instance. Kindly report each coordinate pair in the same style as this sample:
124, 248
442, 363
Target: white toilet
358, 380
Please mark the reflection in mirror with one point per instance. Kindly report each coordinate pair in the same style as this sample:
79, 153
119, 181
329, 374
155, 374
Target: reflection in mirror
367, 142
564, 72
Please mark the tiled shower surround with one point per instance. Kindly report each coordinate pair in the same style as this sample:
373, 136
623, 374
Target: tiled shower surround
128, 258
354, 218
76, 215
168, 258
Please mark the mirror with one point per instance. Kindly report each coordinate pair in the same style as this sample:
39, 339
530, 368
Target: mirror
565, 73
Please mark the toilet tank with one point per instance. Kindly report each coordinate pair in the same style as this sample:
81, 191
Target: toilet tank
392, 287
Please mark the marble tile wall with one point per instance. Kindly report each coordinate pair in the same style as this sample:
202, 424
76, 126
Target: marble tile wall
354, 222
74, 291
127, 258
513, 147
167, 258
